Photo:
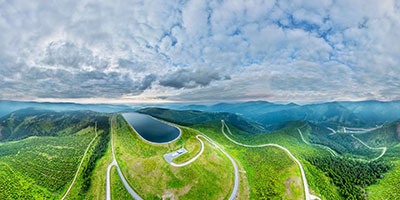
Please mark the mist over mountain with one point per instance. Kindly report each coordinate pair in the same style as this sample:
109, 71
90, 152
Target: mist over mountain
346, 113
7, 107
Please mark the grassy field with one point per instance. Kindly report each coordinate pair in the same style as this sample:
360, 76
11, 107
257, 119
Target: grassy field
389, 186
209, 177
118, 190
270, 171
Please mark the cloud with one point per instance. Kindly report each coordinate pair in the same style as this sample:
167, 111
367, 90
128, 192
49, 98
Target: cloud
67, 54
250, 49
183, 78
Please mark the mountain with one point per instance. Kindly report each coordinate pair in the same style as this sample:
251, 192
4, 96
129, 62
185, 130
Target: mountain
333, 114
388, 135
7, 107
329, 114
251, 109
192, 117
28, 122
377, 112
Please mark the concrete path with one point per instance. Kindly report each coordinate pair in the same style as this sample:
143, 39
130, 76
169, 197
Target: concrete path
331, 129
382, 148
235, 167
308, 196
191, 160
79, 168
114, 163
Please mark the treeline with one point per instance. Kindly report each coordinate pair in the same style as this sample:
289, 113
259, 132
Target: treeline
98, 151
31, 122
350, 176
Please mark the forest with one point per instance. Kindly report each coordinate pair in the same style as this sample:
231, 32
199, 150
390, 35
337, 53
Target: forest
350, 176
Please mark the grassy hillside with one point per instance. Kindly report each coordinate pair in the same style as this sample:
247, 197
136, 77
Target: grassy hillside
209, 177
259, 163
270, 171
192, 117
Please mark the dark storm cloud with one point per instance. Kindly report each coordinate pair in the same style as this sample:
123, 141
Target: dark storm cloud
67, 54
185, 78
94, 83
128, 64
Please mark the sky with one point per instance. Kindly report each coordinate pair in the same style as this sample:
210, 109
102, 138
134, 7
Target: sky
199, 50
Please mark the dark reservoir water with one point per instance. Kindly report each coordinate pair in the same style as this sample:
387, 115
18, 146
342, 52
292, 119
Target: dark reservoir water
151, 129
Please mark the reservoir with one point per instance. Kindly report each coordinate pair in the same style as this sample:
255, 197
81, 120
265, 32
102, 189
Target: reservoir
151, 129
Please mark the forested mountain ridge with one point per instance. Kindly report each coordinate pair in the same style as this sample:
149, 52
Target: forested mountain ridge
333, 114
388, 135
37, 122
41, 150
191, 117
6, 107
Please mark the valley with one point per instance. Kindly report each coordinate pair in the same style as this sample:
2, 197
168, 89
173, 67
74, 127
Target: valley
216, 156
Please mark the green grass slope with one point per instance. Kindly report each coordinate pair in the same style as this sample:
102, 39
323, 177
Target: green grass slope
323, 179
209, 177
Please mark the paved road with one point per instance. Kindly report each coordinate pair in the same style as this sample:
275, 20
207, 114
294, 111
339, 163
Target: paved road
359, 130
114, 163
306, 188
383, 148
332, 152
235, 167
331, 129
83, 158
193, 159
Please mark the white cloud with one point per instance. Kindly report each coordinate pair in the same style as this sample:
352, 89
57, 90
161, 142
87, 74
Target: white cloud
182, 50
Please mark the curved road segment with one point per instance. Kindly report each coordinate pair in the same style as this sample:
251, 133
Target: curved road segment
114, 163
383, 148
306, 188
236, 184
193, 159
332, 152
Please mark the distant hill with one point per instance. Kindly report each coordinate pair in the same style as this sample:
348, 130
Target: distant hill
251, 109
330, 114
374, 112
7, 107
387, 135
333, 114
28, 122
192, 117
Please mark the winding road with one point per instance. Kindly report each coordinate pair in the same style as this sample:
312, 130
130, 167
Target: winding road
235, 167
331, 129
114, 163
193, 159
79, 168
383, 148
332, 152
306, 188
